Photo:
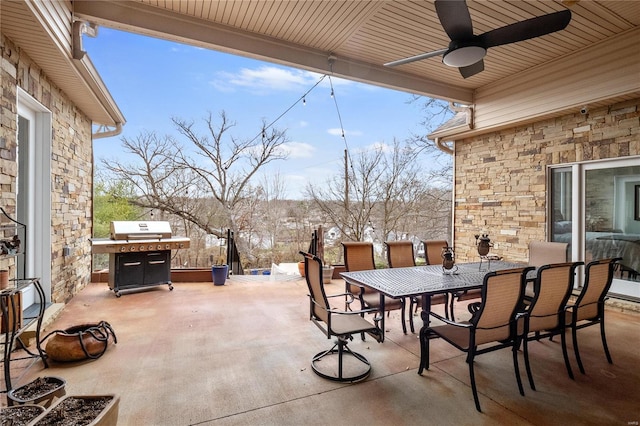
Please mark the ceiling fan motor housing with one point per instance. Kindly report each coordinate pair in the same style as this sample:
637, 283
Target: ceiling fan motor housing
463, 54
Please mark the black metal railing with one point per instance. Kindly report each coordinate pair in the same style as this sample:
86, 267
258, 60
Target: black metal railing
233, 256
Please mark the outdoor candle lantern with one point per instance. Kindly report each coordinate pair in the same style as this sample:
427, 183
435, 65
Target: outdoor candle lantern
483, 243
448, 262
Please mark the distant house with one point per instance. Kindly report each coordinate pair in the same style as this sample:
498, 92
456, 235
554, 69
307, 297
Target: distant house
53, 105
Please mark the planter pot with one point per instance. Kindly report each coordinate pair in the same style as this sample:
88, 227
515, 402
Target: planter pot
20, 415
80, 342
41, 390
336, 271
327, 273
301, 269
191, 275
219, 274
83, 408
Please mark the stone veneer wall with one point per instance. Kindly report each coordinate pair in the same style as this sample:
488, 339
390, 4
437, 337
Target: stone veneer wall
71, 169
501, 177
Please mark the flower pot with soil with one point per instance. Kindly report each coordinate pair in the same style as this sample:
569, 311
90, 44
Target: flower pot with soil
41, 390
76, 410
20, 415
301, 269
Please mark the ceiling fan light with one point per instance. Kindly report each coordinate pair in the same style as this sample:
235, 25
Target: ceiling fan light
464, 56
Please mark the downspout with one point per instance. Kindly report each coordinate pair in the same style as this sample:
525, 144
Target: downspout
103, 131
442, 146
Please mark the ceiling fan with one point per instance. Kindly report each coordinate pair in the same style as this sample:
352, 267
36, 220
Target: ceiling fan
466, 50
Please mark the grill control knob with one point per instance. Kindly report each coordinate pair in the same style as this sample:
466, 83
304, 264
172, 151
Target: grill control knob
123, 248
159, 247
167, 246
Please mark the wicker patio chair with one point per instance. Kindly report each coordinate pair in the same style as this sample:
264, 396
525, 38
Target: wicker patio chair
400, 254
544, 315
492, 327
332, 364
358, 256
588, 309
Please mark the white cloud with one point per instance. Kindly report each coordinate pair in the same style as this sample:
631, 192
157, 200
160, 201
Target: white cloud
338, 132
298, 150
379, 146
266, 79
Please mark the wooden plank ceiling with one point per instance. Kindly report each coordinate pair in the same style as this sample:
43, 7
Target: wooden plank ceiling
371, 33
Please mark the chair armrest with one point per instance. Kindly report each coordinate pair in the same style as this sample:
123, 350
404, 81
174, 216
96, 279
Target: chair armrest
361, 311
449, 322
350, 295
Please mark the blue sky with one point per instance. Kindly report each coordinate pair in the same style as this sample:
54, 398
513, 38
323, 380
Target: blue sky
153, 80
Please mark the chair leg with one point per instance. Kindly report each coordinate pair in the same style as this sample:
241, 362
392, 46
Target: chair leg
341, 349
604, 341
525, 351
576, 351
516, 367
563, 340
472, 376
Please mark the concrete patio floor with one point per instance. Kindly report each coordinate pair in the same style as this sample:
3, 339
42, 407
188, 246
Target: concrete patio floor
240, 354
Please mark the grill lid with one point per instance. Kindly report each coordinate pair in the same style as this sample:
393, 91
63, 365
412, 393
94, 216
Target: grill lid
133, 230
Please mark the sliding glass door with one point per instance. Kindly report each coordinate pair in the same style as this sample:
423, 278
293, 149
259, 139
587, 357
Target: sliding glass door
594, 207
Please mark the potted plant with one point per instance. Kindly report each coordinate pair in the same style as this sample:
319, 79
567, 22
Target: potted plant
327, 274
219, 271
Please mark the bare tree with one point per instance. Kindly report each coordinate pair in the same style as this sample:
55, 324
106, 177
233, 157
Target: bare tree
393, 194
351, 212
204, 180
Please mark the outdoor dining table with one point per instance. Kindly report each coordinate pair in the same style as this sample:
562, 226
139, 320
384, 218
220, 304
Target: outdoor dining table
424, 281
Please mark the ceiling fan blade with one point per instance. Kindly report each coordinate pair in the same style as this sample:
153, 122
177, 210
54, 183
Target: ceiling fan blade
455, 19
415, 58
471, 70
524, 30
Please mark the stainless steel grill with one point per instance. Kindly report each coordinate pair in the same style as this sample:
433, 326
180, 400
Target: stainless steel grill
139, 253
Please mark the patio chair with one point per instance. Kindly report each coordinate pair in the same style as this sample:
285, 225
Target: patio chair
333, 363
433, 256
544, 315
588, 309
400, 255
547, 252
493, 326
544, 253
358, 256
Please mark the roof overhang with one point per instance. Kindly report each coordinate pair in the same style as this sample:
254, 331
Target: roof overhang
40, 30
593, 61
